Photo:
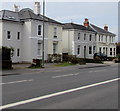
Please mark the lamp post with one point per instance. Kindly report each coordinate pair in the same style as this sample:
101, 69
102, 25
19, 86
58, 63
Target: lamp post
43, 33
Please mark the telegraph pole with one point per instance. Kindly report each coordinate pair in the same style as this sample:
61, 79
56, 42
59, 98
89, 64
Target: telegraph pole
43, 33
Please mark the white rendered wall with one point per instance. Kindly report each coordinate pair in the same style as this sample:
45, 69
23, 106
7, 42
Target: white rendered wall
13, 42
51, 38
1, 33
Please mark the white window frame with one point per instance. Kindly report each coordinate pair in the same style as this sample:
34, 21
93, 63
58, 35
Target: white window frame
106, 39
90, 50
55, 48
55, 32
100, 49
99, 38
114, 51
18, 35
38, 30
104, 50
39, 50
90, 37
78, 36
84, 36
8, 35
111, 51
78, 50
94, 49
18, 52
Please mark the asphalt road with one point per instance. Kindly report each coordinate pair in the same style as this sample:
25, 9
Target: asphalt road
67, 88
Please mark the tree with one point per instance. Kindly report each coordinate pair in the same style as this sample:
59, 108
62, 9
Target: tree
118, 48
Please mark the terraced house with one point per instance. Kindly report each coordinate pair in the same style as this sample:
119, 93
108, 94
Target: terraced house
85, 40
23, 31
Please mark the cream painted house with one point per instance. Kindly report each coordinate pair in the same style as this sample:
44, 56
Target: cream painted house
85, 40
23, 31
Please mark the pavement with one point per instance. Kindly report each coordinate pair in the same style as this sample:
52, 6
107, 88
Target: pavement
23, 68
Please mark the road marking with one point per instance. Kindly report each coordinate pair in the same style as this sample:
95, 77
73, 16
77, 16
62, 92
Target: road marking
98, 70
17, 82
59, 76
56, 94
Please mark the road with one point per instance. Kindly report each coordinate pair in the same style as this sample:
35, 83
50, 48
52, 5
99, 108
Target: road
67, 88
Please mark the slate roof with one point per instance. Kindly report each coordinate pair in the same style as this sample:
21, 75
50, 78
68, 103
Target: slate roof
23, 15
100, 30
77, 26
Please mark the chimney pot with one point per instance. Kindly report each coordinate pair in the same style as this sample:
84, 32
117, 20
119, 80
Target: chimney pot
106, 27
86, 22
16, 8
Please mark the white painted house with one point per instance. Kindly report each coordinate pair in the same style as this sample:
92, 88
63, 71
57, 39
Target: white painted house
85, 40
23, 31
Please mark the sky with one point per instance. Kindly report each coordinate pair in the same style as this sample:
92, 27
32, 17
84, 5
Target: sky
98, 13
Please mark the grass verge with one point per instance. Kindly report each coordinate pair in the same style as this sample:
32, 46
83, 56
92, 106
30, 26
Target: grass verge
64, 64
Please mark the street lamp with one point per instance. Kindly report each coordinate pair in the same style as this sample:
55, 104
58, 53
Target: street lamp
43, 32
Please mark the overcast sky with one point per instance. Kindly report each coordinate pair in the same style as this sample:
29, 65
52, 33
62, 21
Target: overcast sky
98, 13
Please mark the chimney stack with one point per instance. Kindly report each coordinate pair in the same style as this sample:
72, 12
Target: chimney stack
16, 8
37, 8
106, 27
86, 22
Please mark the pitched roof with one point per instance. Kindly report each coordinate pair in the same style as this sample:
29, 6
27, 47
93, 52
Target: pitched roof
77, 26
100, 30
9, 15
23, 15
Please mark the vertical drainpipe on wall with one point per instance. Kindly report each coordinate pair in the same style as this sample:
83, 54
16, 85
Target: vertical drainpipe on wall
43, 32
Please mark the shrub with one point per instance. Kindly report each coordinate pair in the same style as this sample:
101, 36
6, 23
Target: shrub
111, 58
81, 61
74, 60
96, 60
54, 58
5, 53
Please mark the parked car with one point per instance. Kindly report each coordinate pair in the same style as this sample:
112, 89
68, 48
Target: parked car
102, 56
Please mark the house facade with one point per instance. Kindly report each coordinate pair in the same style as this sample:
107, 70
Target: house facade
23, 31
86, 40
78, 40
105, 41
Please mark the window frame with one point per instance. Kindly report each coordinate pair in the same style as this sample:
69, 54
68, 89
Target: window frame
110, 51
55, 48
18, 52
78, 50
39, 49
55, 32
84, 36
90, 51
9, 35
39, 30
79, 36
18, 35
94, 49
90, 37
